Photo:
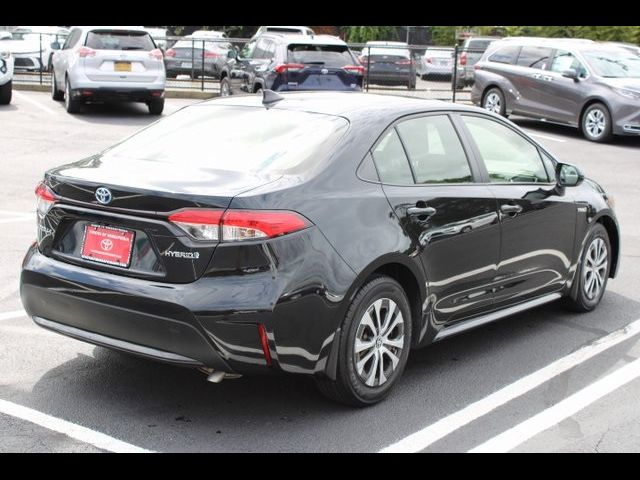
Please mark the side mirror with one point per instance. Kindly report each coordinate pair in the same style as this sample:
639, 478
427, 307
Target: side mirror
232, 53
568, 175
55, 46
571, 73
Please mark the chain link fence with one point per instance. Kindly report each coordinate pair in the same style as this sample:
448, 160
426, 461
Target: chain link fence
195, 64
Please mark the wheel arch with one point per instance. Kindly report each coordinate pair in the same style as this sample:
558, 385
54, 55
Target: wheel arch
614, 239
587, 104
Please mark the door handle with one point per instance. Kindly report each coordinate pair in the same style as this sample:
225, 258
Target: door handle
548, 78
535, 75
420, 211
510, 209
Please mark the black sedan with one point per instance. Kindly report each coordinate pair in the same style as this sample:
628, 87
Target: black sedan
328, 234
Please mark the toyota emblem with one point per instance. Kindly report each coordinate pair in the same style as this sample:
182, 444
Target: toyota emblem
106, 244
103, 195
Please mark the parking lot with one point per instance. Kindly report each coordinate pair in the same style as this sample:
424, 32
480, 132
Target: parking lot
545, 380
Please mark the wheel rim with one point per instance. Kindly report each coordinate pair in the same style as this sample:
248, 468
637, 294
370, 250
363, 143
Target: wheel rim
224, 89
53, 84
67, 94
594, 270
595, 123
379, 342
493, 103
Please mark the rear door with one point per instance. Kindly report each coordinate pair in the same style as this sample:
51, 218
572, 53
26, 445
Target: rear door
531, 77
121, 56
537, 219
452, 221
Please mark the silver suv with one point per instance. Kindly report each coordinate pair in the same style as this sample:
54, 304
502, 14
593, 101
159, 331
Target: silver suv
588, 85
109, 63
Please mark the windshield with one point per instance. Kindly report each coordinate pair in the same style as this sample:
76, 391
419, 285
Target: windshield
613, 64
241, 139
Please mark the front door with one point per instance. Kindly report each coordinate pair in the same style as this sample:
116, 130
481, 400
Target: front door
537, 218
453, 221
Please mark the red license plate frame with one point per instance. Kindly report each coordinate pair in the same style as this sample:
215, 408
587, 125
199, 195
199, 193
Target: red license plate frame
107, 245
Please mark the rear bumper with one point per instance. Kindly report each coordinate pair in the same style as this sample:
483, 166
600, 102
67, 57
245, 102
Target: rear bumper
399, 78
113, 94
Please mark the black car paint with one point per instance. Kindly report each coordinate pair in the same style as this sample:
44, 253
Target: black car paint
299, 286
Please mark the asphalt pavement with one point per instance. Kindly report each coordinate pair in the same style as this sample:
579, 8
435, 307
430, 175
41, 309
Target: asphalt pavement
544, 380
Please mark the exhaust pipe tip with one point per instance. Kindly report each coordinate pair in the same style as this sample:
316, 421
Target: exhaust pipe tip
214, 376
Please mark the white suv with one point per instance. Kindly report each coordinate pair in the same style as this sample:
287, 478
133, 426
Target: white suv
6, 74
109, 63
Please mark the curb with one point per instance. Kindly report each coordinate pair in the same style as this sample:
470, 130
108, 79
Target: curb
34, 87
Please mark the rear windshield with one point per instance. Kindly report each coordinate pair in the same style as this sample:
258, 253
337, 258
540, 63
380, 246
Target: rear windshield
391, 53
239, 139
223, 44
327, 55
119, 40
285, 30
478, 45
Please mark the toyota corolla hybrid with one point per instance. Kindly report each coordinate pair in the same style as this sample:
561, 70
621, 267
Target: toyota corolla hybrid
327, 234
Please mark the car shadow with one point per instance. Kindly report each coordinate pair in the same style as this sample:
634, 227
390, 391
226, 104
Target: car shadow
168, 408
7, 108
116, 113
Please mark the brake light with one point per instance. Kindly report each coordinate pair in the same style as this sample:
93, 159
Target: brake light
86, 52
404, 62
157, 54
46, 198
237, 225
264, 341
170, 53
463, 58
211, 55
357, 69
288, 67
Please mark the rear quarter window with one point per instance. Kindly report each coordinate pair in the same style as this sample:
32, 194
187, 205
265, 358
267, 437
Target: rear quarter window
507, 55
119, 40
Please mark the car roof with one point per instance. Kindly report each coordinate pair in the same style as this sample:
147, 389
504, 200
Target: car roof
354, 106
304, 39
111, 27
384, 42
39, 29
294, 27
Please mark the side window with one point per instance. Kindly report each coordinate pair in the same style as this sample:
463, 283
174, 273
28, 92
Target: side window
391, 161
248, 49
262, 49
434, 150
367, 171
72, 39
506, 54
534, 57
509, 157
563, 60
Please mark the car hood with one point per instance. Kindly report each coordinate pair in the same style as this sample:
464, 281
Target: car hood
626, 83
21, 46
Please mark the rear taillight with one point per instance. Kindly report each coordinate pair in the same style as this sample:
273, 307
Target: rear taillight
84, 52
45, 197
357, 69
288, 67
404, 62
463, 58
237, 225
211, 55
170, 53
157, 54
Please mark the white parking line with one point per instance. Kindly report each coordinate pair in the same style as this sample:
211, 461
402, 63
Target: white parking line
33, 102
443, 427
14, 314
537, 135
86, 435
522, 432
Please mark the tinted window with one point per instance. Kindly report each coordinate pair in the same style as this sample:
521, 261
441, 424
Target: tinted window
509, 157
336, 56
435, 151
391, 161
249, 140
262, 49
563, 60
534, 57
506, 55
248, 49
119, 40
478, 45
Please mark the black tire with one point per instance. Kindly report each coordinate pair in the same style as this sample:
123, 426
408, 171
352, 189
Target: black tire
72, 105
595, 123
156, 107
578, 299
5, 93
225, 88
349, 387
493, 100
424, 76
56, 94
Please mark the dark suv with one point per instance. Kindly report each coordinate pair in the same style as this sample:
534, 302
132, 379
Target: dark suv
575, 82
280, 62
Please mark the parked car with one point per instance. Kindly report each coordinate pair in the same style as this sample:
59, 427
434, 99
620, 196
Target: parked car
288, 30
159, 36
291, 62
300, 243
33, 47
108, 63
469, 53
185, 57
4, 35
6, 76
436, 62
389, 63
587, 85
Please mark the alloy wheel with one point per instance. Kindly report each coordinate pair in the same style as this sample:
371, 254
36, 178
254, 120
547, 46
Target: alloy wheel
493, 103
595, 123
379, 342
594, 270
